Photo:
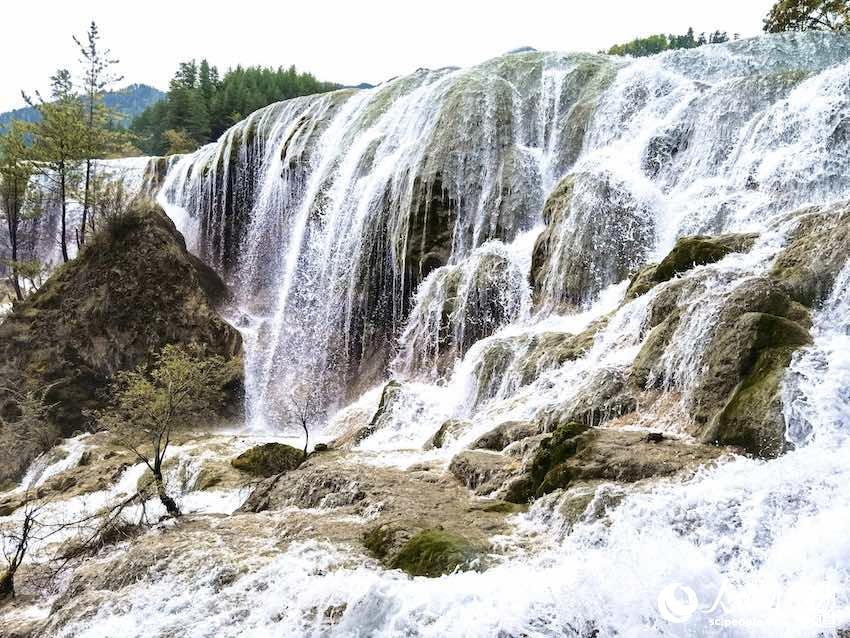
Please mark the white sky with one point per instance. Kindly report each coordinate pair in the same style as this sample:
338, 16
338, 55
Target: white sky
343, 41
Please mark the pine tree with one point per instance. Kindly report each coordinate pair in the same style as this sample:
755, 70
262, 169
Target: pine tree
97, 77
15, 172
59, 142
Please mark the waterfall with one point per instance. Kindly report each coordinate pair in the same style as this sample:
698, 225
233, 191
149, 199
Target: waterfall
471, 234
326, 213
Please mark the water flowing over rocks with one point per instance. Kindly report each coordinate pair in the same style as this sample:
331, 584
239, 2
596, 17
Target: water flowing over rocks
580, 327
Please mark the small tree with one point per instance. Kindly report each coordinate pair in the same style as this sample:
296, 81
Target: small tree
15, 538
808, 15
58, 142
184, 386
15, 172
302, 409
97, 77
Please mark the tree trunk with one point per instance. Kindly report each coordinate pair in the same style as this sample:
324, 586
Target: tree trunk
82, 240
63, 241
7, 585
13, 239
164, 498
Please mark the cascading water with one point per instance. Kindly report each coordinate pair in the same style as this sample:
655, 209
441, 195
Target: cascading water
326, 212
458, 227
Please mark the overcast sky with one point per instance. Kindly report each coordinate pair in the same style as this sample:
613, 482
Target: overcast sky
342, 41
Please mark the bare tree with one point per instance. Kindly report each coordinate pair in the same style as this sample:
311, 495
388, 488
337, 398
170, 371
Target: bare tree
303, 408
15, 538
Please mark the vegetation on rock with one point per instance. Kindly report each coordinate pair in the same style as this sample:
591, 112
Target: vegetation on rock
133, 290
269, 459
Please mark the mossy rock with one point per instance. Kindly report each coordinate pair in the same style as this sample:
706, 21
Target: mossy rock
503, 507
269, 459
133, 289
449, 429
435, 552
818, 249
689, 252
752, 418
546, 472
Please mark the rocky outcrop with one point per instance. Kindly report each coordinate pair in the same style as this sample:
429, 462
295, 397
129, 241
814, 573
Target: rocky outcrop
133, 289
449, 430
691, 251
269, 459
736, 399
816, 252
522, 359
391, 392
597, 233
504, 434
483, 471
575, 453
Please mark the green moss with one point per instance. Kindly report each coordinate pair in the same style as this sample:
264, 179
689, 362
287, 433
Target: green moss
699, 250
547, 471
435, 552
269, 459
504, 507
378, 540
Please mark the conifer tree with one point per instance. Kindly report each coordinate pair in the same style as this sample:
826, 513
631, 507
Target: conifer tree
97, 78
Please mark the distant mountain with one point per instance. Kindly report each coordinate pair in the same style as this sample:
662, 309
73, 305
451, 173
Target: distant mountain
129, 102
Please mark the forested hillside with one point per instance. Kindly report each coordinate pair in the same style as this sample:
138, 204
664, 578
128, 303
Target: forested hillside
200, 105
127, 103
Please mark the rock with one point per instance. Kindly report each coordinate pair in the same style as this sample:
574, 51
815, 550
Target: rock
690, 251
605, 396
269, 459
321, 447
435, 552
391, 392
529, 357
504, 434
735, 400
451, 429
597, 233
133, 289
578, 453
818, 249
481, 471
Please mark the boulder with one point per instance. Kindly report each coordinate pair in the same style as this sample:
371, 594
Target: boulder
392, 390
690, 251
483, 471
451, 429
269, 459
818, 249
430, 552
576, 453
504, 434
